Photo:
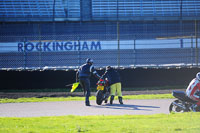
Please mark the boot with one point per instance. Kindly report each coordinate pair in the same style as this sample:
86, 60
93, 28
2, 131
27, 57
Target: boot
198, 108
87, 103
195, 108
105, 101
111, 99
120, 100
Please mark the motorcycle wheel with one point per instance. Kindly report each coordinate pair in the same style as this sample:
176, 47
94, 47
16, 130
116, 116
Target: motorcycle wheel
176, 109
99, 97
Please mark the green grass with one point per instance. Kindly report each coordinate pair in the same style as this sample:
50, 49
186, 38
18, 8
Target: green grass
155, 88
159, 123
51, 99
93, 89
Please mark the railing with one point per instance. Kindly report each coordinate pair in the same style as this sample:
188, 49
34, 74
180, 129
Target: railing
70, 54
120, 44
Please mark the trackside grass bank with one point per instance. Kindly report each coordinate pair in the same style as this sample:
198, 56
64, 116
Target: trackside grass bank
51, 99
159, 123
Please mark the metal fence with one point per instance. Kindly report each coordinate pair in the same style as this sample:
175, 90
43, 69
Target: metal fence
35, 46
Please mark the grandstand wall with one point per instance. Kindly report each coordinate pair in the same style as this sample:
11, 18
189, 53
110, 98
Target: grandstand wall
90, 10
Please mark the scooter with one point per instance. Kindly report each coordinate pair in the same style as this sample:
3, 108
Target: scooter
103, 91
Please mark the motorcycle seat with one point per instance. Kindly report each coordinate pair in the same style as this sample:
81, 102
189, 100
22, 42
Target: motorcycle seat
182, 96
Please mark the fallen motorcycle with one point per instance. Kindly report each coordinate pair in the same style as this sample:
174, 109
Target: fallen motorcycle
103, 91
182, 103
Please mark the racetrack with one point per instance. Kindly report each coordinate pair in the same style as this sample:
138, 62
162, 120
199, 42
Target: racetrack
130, 107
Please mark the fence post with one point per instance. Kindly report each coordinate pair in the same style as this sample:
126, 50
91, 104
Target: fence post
79, 56
40, 52
118, 44
25, 40
134, 51
196, 37
192, 54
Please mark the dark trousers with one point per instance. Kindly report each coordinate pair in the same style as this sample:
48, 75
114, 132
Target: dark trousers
85, 84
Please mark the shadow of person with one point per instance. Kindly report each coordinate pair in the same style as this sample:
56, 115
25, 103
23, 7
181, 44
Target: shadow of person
126, 107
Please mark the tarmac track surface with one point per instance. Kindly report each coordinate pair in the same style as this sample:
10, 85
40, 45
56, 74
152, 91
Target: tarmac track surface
130, 107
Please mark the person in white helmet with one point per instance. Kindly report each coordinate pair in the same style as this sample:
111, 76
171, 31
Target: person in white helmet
193, 91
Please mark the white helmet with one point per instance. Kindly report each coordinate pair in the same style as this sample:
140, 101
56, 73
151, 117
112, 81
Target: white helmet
198, 75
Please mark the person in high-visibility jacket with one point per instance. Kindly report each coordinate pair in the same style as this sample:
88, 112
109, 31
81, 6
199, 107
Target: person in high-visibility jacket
83, 75
114, 80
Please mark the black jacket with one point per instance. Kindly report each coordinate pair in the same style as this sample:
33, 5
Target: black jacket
112, 75
86, 70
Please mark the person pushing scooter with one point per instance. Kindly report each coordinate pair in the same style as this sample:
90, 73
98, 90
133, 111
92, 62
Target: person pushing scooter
114, 82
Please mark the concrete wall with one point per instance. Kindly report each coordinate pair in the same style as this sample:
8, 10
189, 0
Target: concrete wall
138, 77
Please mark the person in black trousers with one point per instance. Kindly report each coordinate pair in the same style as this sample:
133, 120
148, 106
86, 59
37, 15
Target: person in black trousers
83, 75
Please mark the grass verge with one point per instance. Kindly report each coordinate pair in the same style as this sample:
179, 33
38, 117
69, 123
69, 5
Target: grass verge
159, 123
51, 99
93, 89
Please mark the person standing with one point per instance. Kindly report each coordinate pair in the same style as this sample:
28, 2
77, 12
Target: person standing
83, 75
114, 81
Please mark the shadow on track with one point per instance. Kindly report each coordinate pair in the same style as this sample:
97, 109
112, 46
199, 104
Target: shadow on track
125, 107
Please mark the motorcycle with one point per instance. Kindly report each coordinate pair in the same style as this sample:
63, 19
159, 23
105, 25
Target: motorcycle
103, 91
182, 103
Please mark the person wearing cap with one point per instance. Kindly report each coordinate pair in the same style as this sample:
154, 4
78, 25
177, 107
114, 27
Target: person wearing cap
83, 75
193, 92
114, 80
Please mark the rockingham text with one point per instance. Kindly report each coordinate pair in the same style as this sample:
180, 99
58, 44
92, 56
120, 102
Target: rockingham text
59, 46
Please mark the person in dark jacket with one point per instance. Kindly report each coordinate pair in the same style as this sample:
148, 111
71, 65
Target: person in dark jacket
114, 80
83, 75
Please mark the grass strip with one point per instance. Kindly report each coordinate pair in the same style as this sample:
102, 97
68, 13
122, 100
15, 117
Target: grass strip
159, 123
94, 89
51, 99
